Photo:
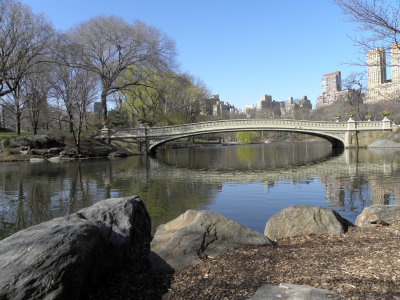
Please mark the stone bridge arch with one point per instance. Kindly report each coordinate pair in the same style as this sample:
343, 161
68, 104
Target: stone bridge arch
348, 134
334, 139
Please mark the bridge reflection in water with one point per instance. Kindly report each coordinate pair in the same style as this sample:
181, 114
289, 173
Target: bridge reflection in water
352, 170
246, 183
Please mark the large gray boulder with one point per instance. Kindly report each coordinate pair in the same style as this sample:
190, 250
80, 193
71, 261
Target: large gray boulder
62, 258
290, 291
378, 214
304, 220
180, 242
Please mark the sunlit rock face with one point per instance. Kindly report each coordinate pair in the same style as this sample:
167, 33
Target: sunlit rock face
62, 258
304, 220
378, 214
180, 242
384, 144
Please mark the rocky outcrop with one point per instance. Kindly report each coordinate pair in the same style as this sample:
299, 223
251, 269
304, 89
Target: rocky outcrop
61, 258
38, 141
396, 138
304, 220
384, 144
290, 291
97, 151
182, 241
118, 154
86, 151
378, 214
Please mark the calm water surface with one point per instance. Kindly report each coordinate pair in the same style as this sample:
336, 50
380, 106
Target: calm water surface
246, 183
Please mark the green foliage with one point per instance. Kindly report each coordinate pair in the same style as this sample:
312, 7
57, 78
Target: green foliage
165, 98
248, 137
7, 135
385, 113
5, 143
337, 117
8, 150
118, 118
368, 116
350, 114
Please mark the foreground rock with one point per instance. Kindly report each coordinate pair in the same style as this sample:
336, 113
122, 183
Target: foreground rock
378, 214
62, 258
183, 241
290, 291
304, 220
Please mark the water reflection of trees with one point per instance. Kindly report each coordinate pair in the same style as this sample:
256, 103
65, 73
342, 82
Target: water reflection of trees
34, 193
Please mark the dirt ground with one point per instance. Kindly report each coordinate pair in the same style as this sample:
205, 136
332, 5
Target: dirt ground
364, 263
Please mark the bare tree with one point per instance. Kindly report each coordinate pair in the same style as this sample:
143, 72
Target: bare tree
379, 20
76, 88
108, 46
14, 104
37, 88
354, 84
57, 113
24, 39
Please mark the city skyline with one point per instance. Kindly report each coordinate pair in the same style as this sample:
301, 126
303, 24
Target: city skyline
239, 51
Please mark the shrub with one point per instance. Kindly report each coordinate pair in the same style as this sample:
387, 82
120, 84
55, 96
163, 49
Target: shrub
5, 143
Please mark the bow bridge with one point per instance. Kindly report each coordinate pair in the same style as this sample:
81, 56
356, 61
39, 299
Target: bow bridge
348, 134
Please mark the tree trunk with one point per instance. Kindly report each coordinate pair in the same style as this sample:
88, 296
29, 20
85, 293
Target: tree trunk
18, 122
104, 107
35, 127
71, 126
78, 141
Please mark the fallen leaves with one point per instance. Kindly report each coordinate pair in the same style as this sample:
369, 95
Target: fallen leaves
364, 263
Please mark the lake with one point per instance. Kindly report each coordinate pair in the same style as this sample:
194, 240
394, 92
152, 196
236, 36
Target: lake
246, 183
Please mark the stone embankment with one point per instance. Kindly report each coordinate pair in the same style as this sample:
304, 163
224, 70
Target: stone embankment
64, 258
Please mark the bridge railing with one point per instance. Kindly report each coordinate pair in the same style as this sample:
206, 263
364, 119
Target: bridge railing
258, 124
255, 124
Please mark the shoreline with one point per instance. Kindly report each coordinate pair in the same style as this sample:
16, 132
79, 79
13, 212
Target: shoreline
8, 158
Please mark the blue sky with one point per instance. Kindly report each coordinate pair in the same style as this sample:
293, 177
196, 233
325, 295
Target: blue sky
241, 50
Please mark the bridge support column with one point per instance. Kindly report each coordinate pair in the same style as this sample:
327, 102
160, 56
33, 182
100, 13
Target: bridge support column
105, 131
351, 139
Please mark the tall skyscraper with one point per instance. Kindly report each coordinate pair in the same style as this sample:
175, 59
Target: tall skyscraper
331, 82
395, 63
331, 85
376, 67
379, 87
